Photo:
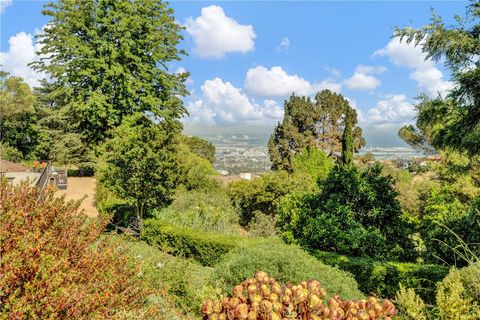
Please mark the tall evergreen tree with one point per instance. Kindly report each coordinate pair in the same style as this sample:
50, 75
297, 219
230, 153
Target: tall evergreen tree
454, 120
319, 123
347, 139
108, 59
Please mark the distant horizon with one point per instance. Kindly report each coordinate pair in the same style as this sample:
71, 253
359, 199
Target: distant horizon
374, 136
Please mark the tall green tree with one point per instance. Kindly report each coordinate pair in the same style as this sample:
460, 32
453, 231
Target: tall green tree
108, 59
319, 123
139, 163
18, 131
459, 47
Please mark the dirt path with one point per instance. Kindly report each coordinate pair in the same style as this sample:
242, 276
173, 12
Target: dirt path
78, 188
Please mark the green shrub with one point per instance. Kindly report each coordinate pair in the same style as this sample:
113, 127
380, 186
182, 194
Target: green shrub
356, 213
182, 280
207, 248
445, 220
196, 172
201, 210
410, 305
262, 225
10, 153
263, 194
312, 162
286, 263
383, 278
457, 297
117, 210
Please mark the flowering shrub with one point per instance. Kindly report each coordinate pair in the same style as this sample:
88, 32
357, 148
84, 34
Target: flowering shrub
262, 298
53, 264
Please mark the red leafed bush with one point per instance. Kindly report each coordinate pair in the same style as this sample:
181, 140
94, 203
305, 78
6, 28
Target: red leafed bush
262, 298
54, 265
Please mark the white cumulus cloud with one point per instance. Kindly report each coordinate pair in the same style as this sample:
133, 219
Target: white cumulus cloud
395, 109
428, 77
21, 52
362, 79
276, 82
223, 103
216, 34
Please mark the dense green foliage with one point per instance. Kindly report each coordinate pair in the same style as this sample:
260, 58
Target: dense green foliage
312, 162
172, 280
107, 59
384, 278
200, 147
195, 172
286, 263
453, 121
309, 166
19, 134
356, 214
457, 297
209, 211
318, 123
139, 164
208, 248
447, 222
263, 194
347, 137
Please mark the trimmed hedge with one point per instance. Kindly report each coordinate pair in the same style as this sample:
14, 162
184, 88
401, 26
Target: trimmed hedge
383, 278
207, 248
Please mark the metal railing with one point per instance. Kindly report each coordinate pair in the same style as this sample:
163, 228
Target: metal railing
44, 178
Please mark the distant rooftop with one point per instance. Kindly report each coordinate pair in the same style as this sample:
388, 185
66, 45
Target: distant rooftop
8, 166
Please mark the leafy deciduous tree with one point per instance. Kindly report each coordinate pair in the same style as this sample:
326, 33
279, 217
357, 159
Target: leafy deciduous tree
17, 116
139, 163
108, 59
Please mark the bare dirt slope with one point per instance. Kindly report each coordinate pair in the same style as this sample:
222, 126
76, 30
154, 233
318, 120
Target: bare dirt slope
77, 188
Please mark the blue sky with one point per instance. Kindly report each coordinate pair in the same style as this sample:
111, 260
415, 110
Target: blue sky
245, 58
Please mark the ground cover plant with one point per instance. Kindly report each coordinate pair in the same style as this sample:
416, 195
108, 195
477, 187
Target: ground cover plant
262, 297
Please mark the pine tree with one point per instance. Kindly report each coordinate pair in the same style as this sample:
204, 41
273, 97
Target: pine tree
319, 123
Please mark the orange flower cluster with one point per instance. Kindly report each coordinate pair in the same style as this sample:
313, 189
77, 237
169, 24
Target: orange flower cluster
262, 298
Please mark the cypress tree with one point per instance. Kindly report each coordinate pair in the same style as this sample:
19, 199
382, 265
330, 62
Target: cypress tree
347, 140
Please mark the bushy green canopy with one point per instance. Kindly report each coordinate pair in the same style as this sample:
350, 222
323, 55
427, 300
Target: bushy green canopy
319, 123
108, 59
452, 121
